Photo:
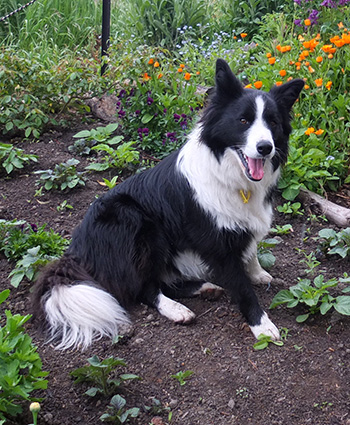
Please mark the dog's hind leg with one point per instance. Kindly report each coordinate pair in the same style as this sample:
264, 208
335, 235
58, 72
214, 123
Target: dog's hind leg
256, 272
193, 288
173, 310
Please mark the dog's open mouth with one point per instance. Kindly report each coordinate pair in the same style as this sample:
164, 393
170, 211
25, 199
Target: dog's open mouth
254, 168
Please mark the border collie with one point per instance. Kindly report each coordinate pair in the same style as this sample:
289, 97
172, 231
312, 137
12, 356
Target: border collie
165, 233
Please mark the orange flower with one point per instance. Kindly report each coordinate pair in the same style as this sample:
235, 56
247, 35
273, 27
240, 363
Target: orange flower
198, 73
285, 49
146, 77
305, 53
330, 56
328, 48
151, 61
244, 35
159, 76
279, 83
272, 60
319, 59
307, 63
187, 76
179, 70
309, 131
311, 70
307, 22
329, 85
319, 82
283, 72
340, 25
306, 87
258, 84
268, 55
156, 64
248, 86
319, 132
182, 65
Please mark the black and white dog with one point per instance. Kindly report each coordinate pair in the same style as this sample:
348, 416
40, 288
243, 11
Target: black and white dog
195, 217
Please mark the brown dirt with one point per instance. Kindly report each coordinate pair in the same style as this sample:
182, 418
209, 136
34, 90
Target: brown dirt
304, 382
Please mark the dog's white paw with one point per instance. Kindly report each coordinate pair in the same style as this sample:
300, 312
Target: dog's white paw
173, 310
210, 291
262, 277
266, 327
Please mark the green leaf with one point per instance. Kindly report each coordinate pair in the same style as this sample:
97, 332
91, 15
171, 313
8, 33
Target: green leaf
146, 118
282, 297
93, 391
342, 304
302, 317
4, 295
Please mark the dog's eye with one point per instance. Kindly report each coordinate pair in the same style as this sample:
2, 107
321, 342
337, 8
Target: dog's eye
244, 121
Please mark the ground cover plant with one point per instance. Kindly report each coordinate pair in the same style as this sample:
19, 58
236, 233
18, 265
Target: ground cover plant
49, 71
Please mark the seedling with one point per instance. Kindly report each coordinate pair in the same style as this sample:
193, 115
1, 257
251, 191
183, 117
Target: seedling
282, 230
264, 341
182, 376
98, 372
335, 243
12, 158
117, 413
265, 256
315, 296
290, 208
64, 205
310, 260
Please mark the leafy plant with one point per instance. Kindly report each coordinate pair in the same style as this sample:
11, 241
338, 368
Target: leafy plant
121, 157
63, 176
264, 341
111, 183
98, 372
335, 243
315, 296
182, 376
12, 158
20, 365
310, 260
290, 208
265, 256
117, 413
30, 246
282, 230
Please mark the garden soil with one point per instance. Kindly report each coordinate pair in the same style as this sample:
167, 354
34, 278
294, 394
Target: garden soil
306, 381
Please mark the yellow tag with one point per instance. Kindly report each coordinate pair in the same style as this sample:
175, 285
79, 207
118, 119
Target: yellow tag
245, 196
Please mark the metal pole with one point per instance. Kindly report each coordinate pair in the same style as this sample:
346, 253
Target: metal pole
106, 26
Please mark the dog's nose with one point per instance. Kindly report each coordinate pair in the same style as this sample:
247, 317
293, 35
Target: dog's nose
264, 147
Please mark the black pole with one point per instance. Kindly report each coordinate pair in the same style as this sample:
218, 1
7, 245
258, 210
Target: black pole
106, 26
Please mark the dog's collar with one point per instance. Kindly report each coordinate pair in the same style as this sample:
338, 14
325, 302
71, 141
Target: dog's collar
245, 195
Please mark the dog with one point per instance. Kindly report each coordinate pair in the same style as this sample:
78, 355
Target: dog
189, 225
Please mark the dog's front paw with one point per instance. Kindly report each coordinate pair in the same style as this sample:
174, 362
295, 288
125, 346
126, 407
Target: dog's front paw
266, 327
174, 311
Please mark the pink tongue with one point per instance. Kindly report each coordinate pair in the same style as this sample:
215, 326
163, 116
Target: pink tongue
256, 168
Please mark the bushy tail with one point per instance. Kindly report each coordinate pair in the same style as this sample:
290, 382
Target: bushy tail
75, 310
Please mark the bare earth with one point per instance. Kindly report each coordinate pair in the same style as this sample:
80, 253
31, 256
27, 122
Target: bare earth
304, 382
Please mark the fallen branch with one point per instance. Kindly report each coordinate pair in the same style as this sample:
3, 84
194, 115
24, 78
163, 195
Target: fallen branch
335, 213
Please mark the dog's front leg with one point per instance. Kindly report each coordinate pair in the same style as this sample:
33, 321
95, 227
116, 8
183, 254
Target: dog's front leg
236, 280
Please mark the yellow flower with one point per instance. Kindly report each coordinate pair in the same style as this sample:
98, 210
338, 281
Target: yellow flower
329, 85
248, 86
34, 407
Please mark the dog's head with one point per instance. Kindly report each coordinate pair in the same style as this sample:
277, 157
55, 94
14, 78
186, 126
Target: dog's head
253, 123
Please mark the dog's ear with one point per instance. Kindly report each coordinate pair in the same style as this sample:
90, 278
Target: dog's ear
227, 85
286, 94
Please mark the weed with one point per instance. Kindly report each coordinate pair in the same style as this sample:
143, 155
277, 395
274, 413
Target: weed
121, 157
63, 206
63, 176
111, 183
310, 260
98, 372
182, 376
282, 230
315, 296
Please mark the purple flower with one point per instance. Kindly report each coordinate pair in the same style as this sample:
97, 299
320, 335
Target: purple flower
329, 3
121, 113
149, 100
122, 93
137, 112
177, 117
298, 22
171, 136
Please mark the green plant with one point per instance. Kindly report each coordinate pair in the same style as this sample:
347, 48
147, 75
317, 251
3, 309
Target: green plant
315, 296
182, 376
242, 392
282, 230
20, 365
35, 409
64, 205
63, 176
121, 157
117, 413
333, 242
30, 246
265, 256
98, 372
290, 208
111, 183
12, 158
310, 260
264, 341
